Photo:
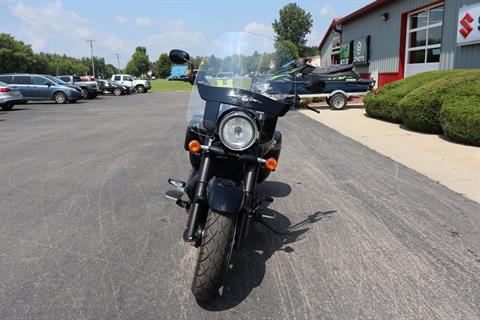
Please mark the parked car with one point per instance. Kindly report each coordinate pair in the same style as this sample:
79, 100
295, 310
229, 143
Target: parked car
90, 88
140, 86
38, 87
113, 88
129, 89
126, 89
63, 83
100, 85
9, 96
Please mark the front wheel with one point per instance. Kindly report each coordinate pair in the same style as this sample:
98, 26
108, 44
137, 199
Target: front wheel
60, 98
213, 255
7, 107
140, 89
117, 92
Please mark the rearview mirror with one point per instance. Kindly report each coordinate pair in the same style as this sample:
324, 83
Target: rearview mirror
48, 83
179, 56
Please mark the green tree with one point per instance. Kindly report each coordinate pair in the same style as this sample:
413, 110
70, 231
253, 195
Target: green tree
293, 25
42, 64
99, 66
139, 63
196, 62
55, 64
285, 52
110, 70
162, 66
15, 56
310, 51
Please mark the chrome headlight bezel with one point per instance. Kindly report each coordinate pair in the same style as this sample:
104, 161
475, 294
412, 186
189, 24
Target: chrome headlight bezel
230, 116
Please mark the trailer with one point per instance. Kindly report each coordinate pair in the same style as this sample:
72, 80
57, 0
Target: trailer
335, 84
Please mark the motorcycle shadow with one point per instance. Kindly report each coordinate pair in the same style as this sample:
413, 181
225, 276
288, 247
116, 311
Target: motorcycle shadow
248, 266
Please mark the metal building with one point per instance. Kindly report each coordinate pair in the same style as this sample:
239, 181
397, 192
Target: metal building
391, 39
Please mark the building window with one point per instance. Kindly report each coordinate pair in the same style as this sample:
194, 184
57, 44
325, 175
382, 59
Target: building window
424, 43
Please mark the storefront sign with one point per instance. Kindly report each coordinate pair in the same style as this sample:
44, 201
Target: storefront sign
361, 51
468, 29
345, 53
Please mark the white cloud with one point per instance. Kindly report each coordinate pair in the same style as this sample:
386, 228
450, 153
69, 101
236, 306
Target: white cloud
50, 22
259, 28
110, 45
144, 22
313, 38
114, 44
77, 18
327, 10
120, 19
174, 34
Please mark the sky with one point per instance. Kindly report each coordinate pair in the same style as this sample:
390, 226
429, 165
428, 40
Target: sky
119, 26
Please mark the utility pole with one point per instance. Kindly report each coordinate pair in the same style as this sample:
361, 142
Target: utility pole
118, 61
93, 63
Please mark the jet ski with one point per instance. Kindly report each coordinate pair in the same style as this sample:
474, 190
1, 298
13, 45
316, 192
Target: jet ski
335, 83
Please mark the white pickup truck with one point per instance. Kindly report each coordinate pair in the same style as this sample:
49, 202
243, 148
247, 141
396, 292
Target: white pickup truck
140, 85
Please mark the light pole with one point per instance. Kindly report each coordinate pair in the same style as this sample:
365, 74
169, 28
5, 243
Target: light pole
93, 63
118, 61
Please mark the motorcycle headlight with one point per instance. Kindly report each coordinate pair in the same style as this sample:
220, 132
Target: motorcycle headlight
237, 131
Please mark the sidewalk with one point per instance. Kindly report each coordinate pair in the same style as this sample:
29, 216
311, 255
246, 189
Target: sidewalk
454, 165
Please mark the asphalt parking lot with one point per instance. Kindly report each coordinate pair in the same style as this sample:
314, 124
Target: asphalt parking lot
85, 232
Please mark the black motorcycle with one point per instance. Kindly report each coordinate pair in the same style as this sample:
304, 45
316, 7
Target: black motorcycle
233, 146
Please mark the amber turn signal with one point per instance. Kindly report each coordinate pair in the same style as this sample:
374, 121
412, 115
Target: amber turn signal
271, 164
194, 146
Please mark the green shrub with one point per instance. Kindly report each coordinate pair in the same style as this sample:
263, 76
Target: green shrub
383, 103
460, 119
382, 107
419, 109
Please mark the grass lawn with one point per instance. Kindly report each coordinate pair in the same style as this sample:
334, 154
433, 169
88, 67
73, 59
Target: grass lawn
161, 85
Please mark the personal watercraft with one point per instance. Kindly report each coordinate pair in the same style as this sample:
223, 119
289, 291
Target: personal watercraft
335, 83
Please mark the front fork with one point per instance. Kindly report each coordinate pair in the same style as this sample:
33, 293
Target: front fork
251, 177
199, 207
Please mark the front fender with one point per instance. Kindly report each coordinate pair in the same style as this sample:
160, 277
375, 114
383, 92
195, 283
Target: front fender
225, 196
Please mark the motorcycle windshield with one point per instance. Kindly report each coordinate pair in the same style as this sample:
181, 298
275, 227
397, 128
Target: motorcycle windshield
239, 60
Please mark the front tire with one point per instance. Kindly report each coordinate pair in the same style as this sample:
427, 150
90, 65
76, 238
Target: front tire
117, 92
140, 89
60, 98
212, 258
7, 107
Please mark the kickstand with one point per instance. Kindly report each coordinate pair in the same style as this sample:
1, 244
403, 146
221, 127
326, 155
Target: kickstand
280, 233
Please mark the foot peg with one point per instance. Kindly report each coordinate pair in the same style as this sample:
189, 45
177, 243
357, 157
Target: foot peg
264, 200
176, 196
173, 195
180, 185
268, 216
267, 199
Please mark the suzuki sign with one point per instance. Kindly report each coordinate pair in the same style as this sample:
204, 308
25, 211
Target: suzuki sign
468, 28
361, 51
